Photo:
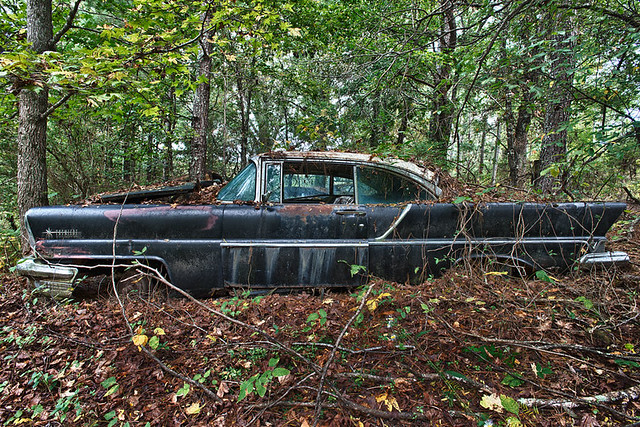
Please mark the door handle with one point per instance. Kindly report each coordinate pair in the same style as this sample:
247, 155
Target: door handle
350, 212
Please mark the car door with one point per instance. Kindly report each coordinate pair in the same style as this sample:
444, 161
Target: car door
306, 232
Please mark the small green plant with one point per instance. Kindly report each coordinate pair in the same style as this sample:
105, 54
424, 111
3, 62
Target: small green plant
354, 268
512, 381
544, 276
542, 371
318, 317
184, 390
404, 311
258, 382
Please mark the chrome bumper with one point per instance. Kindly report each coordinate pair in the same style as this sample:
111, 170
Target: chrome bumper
52, 280
604, 259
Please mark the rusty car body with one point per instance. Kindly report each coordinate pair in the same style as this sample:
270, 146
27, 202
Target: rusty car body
315, 219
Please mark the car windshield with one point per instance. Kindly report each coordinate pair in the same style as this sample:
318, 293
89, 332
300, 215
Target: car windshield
242, 187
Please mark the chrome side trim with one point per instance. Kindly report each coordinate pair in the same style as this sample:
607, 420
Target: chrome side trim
395, 223
484, 241
283, 244
604, 259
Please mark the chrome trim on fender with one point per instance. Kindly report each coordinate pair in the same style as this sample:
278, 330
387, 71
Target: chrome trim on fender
55, 281
30, 267
605, 259
395, 223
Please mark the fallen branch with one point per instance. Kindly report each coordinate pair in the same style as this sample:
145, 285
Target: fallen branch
632, 393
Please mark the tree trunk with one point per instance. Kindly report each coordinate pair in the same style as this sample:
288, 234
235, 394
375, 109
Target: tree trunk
517, 139
404, 122
496, 156
442, 107
200, 119
244, 94
374, 136
169, 126
32, 122
483, 142
557, 113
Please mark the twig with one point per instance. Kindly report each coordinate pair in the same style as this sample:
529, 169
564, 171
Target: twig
630, 194
164, 367
333, 353
186, 379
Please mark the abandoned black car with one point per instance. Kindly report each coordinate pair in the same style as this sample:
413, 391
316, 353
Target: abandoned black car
316, 219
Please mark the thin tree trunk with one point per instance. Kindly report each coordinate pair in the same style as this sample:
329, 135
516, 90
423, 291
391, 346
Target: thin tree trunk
496, 156
483, 141
442, 108
557, 113
32, 125
244, 94
200, 119
169, 124
404, 122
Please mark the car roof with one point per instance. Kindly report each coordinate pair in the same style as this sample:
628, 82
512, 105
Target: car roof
425, 175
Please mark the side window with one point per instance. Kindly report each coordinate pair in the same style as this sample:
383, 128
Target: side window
380, 186
242, 187
272, 183
317, 183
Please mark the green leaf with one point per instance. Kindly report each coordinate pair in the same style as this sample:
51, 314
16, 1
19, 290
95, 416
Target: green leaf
588, 304
184, 390
280, 372
544, 276
108, 382
273, 362
511, 381
112, 390
461, 199
109, 415
260, 389
154, 342
510, 404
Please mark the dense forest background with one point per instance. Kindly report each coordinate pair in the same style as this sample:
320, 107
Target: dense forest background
535, 94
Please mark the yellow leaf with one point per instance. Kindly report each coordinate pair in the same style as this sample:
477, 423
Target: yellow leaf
158, 331
140, 340
390, 402
194, 409
372, 304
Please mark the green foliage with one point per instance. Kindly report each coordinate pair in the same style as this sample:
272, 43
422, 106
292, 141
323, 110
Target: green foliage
512, 381
319, 316
258, 382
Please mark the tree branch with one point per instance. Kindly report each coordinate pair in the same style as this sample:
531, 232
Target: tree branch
52, 108
67, 26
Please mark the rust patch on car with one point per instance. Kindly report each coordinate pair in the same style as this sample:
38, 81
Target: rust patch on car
306, 210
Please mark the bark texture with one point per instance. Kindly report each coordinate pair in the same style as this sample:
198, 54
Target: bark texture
32, 126
558, 106
442, 108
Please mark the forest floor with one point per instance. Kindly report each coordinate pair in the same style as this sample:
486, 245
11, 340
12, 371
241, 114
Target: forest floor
468, 348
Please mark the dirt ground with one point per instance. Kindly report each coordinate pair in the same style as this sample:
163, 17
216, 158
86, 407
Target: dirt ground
468, 348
